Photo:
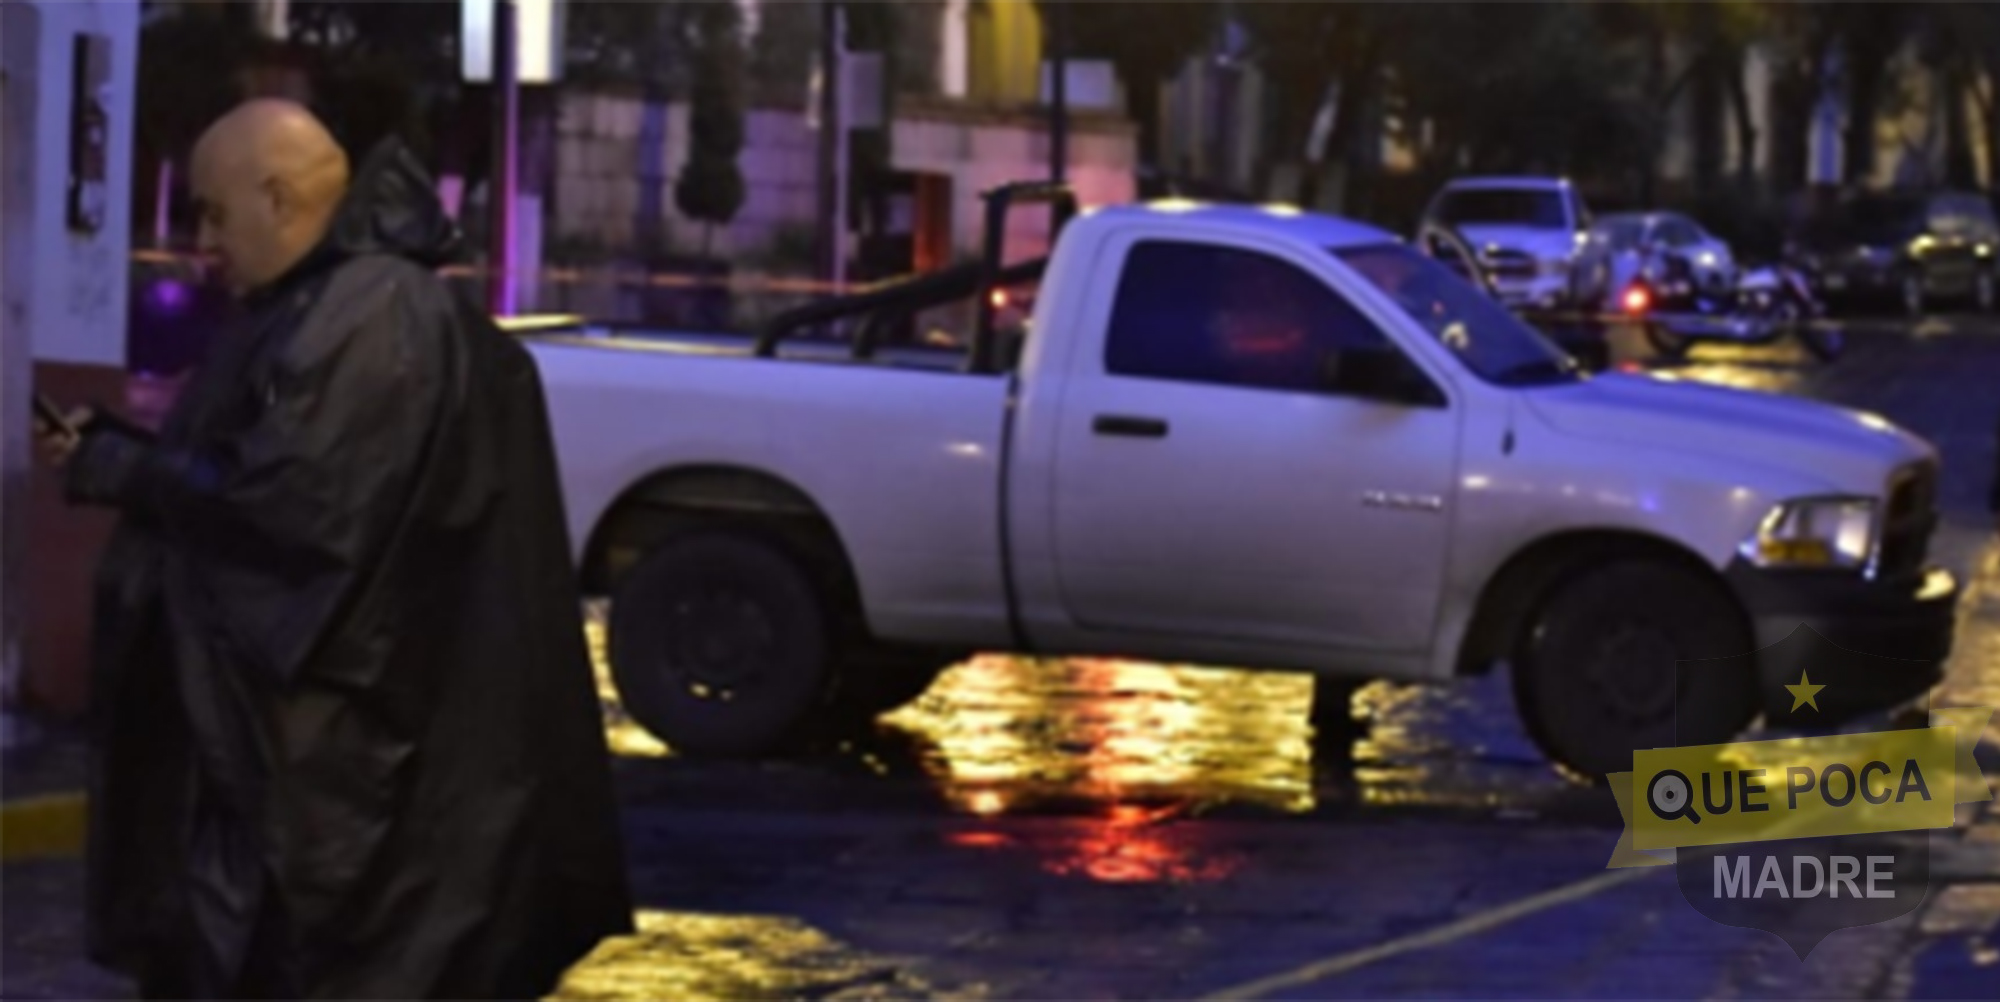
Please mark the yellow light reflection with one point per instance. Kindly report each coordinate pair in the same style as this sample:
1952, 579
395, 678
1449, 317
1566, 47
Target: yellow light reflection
686, 955
621, 732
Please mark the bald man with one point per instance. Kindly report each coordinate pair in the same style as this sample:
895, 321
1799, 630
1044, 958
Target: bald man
348, 739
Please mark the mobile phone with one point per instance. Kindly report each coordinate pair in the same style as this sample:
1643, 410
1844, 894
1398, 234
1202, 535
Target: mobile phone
52, 417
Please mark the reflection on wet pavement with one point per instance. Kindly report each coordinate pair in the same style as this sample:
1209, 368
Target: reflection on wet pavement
1002, 730
683, 955
623, 733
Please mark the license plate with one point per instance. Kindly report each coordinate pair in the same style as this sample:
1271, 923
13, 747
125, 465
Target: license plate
1835, 282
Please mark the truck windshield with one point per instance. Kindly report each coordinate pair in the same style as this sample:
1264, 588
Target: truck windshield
1538, 208
1493, 343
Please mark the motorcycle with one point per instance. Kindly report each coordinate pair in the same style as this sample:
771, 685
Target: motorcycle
1762, 305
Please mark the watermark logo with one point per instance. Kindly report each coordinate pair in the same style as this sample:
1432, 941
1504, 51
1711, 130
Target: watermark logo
1803, 835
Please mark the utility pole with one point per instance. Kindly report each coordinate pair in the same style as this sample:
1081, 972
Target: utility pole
833, 143
1058, 91
504, 178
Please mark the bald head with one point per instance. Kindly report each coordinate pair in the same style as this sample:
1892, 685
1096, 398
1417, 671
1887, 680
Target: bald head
268, 177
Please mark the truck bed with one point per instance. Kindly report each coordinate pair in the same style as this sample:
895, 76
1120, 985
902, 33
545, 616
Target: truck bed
908, 466
741, 346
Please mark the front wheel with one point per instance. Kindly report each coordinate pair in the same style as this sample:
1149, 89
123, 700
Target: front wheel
720, 645
1665, 342
1596, 674
1983, 291
874, 682
1825, 342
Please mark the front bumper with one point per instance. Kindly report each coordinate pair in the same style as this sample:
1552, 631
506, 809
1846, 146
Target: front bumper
1907, 623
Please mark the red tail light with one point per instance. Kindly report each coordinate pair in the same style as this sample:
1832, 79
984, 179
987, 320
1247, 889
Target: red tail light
1636, 299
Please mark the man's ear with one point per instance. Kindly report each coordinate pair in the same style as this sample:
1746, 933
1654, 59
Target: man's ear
284, 200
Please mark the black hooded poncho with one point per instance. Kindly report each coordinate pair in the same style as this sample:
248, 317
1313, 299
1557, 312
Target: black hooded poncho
347, 738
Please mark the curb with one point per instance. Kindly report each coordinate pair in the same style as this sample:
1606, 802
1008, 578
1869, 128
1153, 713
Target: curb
42, 827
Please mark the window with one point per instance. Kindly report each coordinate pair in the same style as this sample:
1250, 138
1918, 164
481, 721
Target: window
1541, 208
1678, 232
1980, 211
1578, 215
1207, 314
1622, 233
1489, 340
1947, 218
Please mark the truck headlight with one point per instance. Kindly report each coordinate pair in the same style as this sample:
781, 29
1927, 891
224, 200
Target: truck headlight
1831, 532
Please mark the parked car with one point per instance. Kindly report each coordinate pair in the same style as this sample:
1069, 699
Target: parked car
1911, 249
1628, 237
1528, 232
1230, 435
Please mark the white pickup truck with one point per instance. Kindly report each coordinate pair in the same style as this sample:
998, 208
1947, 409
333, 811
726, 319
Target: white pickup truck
1225, 435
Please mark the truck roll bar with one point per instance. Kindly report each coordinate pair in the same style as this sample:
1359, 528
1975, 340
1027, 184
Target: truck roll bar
885, 306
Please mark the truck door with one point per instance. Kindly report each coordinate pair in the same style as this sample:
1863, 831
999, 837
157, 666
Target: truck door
1207, 485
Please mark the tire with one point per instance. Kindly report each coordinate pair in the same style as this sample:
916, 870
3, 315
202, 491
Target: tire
1595, 677
1910, 294
720, 645
876, 682
1666, 343
1983, 291
1824, 342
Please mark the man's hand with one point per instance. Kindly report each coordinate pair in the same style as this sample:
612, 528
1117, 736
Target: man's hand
59, 444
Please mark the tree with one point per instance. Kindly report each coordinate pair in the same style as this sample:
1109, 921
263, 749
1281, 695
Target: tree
1304, 49
1146, 41
184, 79
784, 52
1972, 33
1868, 36
710, 188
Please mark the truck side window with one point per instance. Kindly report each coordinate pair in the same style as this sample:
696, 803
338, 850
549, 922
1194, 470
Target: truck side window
1206, 314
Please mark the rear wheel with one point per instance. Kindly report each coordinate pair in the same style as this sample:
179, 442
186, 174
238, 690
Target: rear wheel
1595, 674
720, 645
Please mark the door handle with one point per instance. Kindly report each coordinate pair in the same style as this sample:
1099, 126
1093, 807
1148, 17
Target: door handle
1129, 427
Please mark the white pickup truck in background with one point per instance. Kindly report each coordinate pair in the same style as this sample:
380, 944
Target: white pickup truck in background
1226, 435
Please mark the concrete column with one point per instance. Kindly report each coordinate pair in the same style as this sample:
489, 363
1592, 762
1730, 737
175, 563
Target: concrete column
62, 282
15, 460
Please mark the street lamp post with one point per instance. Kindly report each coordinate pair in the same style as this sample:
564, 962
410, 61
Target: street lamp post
832, 143
1058, 92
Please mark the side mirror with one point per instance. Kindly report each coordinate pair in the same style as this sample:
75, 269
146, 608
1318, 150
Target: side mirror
1382, 374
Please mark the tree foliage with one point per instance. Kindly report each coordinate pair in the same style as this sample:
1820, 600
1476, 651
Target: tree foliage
1146, 41
710, 187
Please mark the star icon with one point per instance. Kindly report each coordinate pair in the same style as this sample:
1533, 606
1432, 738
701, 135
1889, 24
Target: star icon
1804, 692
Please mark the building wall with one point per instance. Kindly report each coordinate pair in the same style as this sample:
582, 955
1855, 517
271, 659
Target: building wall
1005, 51
66, 288
599, 196
982, 150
